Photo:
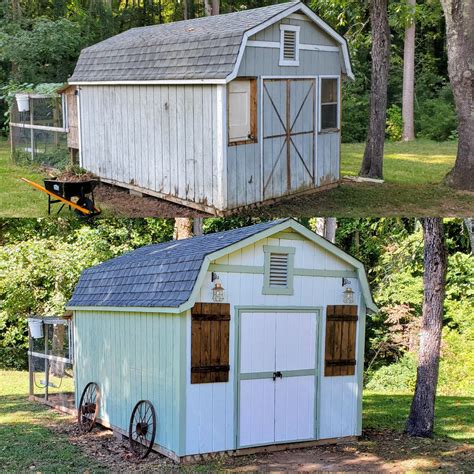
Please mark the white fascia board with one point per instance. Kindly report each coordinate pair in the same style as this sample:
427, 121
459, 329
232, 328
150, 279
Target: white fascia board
157, 82
128, 309
315, 18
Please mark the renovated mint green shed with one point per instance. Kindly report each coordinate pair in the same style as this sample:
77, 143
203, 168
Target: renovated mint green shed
273, 356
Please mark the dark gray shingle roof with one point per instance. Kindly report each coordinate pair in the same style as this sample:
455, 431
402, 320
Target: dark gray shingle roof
203, 48
156, 275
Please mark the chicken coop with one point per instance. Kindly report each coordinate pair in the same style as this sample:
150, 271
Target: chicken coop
243, 340
39, 130
50, 361
216, 113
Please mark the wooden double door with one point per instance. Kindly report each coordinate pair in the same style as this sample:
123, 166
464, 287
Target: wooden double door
277, 377
289, 134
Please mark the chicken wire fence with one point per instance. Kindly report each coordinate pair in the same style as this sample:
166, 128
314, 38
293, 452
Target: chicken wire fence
38, 131
51, 361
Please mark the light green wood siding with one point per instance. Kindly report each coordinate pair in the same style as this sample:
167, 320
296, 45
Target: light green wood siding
132, 356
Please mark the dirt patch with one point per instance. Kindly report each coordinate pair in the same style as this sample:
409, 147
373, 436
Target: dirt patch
71, 177
122, 204
376, 450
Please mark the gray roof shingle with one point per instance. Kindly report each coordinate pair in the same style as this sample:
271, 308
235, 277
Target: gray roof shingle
160, 275
210, 45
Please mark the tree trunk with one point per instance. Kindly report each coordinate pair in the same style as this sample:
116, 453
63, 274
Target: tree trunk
459, 16
421, 419
207, 7
183, 228
372, 164
215, 7
185, 10
470, 230
197, 226
326, 227
408, 97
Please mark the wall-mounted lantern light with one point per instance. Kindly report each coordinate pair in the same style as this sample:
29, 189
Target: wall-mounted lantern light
218, 290
348, 295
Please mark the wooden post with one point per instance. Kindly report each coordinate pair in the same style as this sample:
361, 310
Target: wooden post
32, 134
46, 364
30, 364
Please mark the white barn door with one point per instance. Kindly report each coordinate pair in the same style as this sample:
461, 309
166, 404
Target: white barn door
288, 135
277, 377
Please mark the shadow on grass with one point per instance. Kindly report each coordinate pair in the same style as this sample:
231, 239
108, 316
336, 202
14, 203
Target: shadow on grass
454, 416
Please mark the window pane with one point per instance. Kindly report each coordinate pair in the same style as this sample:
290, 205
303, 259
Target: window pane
328, 116
328, 90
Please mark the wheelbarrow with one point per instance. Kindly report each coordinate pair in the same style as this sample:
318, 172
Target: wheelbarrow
63, 192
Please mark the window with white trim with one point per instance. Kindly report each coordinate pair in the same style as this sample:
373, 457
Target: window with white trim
289, 45
278, 274
329, 104
242, 111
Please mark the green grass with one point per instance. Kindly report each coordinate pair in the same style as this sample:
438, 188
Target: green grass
413, 175
27, 439
454, 416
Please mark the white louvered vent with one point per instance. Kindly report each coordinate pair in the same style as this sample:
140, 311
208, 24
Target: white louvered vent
289, 45
278, 270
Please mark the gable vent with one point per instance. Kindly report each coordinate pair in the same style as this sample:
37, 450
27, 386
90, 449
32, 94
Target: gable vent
289, 45
278, 269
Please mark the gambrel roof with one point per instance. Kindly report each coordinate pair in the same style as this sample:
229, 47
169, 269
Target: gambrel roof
202, 49
168, 275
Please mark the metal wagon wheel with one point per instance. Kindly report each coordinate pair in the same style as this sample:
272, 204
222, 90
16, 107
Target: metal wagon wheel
88, 407
142, 428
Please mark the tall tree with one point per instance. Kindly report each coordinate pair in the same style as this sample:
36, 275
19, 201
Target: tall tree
326, 227
421, 419
372, 163
469, 223
459, 16
183, 228
408, 96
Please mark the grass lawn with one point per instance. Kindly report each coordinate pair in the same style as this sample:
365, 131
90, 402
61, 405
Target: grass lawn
454, 416
413, 173
27, 440
31, 440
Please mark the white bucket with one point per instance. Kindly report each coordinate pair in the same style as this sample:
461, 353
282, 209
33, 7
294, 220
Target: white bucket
23, 102
36, 328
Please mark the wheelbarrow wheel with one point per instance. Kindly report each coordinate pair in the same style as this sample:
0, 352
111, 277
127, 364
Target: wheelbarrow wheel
142, 429
88, 407
86, 203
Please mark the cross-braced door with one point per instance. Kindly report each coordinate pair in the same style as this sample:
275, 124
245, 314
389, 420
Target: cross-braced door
289, 128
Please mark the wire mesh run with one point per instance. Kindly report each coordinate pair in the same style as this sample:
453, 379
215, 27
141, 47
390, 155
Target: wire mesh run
39, 134
51, 364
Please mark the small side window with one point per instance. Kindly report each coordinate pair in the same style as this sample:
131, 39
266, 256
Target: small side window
278, 276
289, 45
329, 104
242, 115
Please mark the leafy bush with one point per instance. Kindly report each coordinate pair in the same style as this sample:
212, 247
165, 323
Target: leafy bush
394, 128
400, 376
355, 117
436, 118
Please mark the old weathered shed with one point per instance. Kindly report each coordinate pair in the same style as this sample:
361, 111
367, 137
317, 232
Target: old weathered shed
279, 360
218, 112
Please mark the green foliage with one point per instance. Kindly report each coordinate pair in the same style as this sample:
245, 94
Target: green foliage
397, 377
38, 273
394, 128
437, 118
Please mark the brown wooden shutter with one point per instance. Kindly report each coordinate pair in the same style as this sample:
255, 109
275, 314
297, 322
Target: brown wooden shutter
210, 342
341, 329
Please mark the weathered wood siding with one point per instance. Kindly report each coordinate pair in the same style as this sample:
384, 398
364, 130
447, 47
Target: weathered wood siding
210, 408
72, 118
244, 161
159, 138
132, 356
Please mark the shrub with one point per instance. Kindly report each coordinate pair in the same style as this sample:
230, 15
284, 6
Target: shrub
355, 117
436, 118
394, 128
400, 376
